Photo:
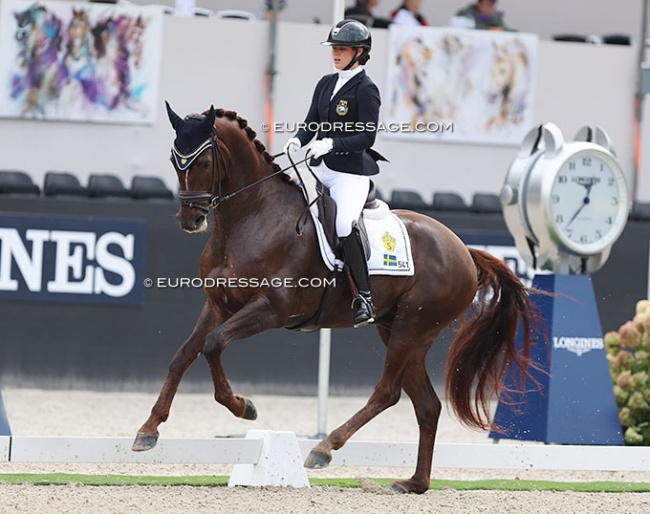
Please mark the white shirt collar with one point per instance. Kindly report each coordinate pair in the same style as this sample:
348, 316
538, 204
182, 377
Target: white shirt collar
346, 75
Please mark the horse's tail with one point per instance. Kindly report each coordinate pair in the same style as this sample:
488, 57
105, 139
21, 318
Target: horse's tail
485, 346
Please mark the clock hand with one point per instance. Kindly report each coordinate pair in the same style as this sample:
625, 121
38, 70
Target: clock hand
585, 201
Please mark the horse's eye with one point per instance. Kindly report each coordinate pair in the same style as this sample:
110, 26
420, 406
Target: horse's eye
205, 165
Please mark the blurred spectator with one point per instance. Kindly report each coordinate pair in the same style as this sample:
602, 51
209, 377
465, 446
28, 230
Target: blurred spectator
409, 13
362, 11
480, 15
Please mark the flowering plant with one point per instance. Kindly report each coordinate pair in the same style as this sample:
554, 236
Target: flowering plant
628, 354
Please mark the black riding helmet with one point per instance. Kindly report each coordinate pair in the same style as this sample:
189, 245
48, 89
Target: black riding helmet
354, 34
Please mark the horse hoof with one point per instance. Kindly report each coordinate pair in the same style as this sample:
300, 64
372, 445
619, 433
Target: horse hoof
317, 460
402, 487
398, 488
144, 442
250, 412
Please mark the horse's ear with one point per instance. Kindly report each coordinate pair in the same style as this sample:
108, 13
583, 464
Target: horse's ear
208, 123
174, 118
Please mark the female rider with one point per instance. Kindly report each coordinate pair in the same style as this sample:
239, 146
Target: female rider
343, 117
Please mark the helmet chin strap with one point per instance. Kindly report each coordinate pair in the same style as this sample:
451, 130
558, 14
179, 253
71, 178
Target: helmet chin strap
356, 58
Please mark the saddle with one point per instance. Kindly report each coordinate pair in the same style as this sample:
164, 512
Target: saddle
320, 205
327, 214
326, 207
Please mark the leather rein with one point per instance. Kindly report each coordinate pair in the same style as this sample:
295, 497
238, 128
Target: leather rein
204, 200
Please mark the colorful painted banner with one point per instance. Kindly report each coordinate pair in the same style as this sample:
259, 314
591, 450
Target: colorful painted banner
79, 61
457, 85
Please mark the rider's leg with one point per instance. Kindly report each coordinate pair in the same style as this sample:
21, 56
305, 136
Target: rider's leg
363, 310
350, 193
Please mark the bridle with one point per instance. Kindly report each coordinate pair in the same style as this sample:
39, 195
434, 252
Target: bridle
204, 200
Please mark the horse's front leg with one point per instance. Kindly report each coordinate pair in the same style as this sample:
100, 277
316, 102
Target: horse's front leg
255, 317
189, 351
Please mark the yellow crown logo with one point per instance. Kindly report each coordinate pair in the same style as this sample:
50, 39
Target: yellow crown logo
342, 108
389, 242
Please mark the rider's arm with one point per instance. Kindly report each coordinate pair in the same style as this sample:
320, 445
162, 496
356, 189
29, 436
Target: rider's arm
368, 114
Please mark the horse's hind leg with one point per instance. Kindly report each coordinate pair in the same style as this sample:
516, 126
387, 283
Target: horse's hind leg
189, 351
417, 386
385, 395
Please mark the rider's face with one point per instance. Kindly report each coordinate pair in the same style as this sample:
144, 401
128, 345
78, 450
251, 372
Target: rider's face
342, 55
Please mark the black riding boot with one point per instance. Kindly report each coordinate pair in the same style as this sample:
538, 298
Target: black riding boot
363, 311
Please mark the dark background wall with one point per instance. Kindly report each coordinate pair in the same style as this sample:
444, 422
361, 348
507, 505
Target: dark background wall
119, 347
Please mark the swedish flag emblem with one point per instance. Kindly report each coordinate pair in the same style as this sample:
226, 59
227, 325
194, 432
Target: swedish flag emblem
390, 260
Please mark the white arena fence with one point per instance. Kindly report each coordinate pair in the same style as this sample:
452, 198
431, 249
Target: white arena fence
275, 458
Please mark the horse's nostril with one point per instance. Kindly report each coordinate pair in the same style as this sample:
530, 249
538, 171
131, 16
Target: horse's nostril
199, 221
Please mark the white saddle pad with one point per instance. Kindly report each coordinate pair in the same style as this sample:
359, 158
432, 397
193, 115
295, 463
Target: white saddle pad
390, 245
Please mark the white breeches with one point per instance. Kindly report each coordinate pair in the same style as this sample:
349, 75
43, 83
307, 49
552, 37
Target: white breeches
348, 191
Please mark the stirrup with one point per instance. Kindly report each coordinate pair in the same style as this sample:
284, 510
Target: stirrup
363, 311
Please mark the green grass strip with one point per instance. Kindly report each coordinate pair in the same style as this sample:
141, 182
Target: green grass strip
535, 485
218, 481
107, 480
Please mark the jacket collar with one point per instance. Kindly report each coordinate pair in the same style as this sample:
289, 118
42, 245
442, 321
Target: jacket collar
354, 80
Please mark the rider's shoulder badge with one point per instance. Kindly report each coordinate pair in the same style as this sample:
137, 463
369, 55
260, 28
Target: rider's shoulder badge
342, 107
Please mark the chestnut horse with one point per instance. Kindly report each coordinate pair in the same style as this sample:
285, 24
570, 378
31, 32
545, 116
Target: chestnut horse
253, 236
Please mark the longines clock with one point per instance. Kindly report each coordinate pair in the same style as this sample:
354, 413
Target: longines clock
565, 203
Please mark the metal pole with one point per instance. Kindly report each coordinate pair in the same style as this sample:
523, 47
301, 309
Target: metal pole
270, 73
640, 95
324, 350
325, 337
4, 422
338, 11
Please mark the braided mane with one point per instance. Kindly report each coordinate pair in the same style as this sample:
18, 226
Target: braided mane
252, 135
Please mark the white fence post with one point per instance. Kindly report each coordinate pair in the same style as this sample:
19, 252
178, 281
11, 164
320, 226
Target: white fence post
279, 464
325, 345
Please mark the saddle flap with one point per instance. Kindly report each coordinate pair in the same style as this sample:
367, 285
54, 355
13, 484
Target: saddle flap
365, 242
327, 215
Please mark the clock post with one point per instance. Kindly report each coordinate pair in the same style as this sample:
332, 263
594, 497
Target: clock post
565, 203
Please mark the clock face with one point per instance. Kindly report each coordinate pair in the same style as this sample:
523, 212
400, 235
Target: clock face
588, 202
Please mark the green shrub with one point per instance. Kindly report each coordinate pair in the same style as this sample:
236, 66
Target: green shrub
628, 354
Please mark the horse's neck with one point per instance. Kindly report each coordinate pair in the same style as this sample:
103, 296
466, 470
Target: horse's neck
259, 208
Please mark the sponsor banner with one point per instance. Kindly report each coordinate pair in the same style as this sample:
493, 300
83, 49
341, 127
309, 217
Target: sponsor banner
578, 345
72, 259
